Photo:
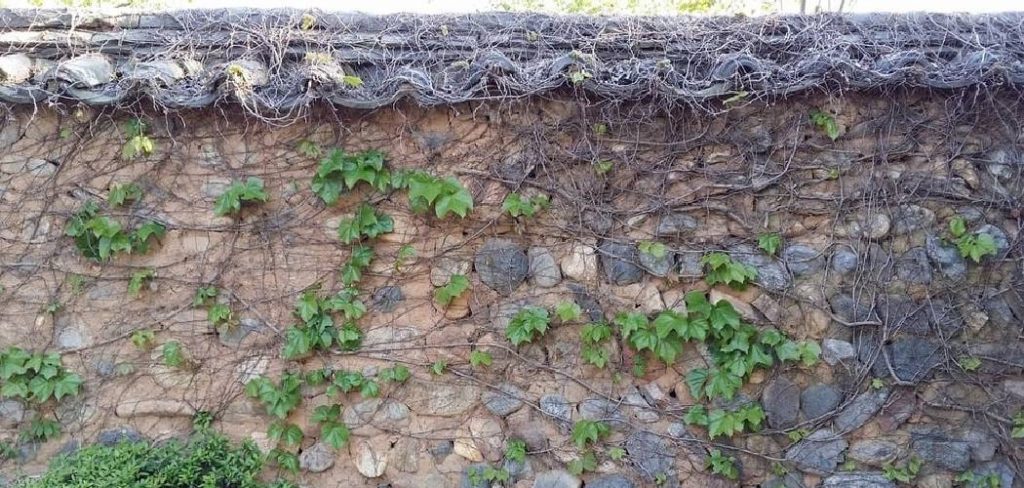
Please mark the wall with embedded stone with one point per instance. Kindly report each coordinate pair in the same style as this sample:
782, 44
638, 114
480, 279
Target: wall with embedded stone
921, 351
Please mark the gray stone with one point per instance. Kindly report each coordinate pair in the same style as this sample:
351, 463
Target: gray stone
441, 450
619, 263
118, 435
678, 430
602, 409
845, 261
874, 452
953, 455
104, 367
599, 222
71, 337
873, 225
689, 264
910, 218
518, 470
851, 309
983, 445
70, 447
650, 454
819, 399
591, 306
440, 399
781, 400
502, 265
946, 259
442, 268
1002, 242
657, 266
818, 453
611, 481
901, 314
675, 224
1003, 163
317, 458
215, 186
556, 406
857, 479
834, 351
913, 267
40, 167
15, 68
1004, 356
912, 358
387, 298
506, 400
544, 270
802, 259
861, 409
232, 336
1001, 470
12, 412
771, 274
789, 480
556, 479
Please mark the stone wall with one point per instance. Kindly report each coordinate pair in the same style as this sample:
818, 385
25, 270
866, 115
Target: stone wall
866, 269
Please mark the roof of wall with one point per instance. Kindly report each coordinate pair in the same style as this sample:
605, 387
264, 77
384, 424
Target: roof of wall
279, 61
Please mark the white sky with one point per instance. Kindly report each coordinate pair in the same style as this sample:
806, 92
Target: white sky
449, 6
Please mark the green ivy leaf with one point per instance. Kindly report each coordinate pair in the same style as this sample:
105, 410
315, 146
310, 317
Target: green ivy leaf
695, 381
335, 434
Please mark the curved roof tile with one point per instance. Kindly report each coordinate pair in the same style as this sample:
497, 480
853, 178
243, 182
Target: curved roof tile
282, 60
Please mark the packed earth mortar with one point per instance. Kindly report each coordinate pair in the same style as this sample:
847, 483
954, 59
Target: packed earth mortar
536, 281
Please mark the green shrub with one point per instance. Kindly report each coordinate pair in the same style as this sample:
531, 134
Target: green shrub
206, 460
